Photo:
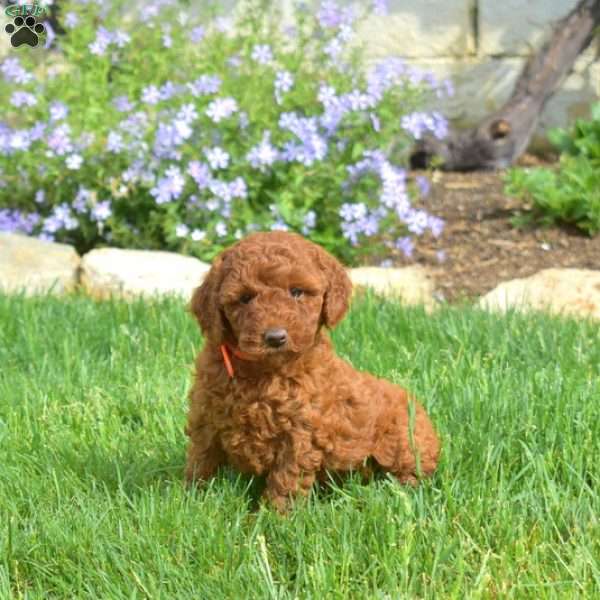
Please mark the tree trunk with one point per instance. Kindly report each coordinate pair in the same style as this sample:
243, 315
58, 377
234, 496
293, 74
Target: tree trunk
504, 135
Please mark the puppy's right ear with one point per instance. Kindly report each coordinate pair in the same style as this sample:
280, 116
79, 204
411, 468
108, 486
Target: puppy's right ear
204, 305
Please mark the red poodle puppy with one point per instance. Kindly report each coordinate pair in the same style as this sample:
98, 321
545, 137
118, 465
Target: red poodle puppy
270, 396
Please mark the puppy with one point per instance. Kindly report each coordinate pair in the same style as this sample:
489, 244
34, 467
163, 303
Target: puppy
270, 397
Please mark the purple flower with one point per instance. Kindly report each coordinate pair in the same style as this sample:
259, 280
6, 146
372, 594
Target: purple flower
418, 123
380, 7
167, 40
221, 108
200, 173
102, 41
221, 229
71, 19
197, 34
279, 225
357, 100
198, 235
13, 72
169, 187
187, 113
60, 218
20, 98
14, 140
238, 188
37, 131
375, 122
59, 141
123, 104
264, 154
312, 146
423, 184
58, 111
83, 196
217, 157
417, 221
331, 15
50, 34
309, 220
234, 61
150, 94
74, 161
204, 85
14, 220
101, 211
435, 225
262, 54
283, 84
406, 245
169, 136
114, 142
223, 24
182, 230
120, 38
168, 90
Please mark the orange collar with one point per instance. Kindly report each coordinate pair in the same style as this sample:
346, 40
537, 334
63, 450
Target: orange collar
225, 349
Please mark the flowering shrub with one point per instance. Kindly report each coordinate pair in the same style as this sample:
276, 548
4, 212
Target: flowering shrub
570, 193
166, 129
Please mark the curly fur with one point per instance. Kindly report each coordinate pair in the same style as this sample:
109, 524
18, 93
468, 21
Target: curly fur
293, 412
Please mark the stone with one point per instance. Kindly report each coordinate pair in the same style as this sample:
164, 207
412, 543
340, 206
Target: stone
35, 266
514, 27
564, 291
426, 28
132, 273
412, 285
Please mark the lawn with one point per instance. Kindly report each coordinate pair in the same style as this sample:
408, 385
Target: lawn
92, 505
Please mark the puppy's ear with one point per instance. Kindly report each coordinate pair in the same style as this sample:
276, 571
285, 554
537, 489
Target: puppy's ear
204, 305
339, 289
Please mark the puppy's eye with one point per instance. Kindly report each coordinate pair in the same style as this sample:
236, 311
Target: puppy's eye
245, 298
296, 292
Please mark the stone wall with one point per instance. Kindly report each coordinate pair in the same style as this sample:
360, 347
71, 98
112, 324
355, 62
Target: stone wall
482, 46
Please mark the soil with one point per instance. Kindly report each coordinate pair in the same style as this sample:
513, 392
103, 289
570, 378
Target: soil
481, 247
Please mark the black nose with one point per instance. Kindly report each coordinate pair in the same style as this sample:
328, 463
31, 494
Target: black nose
275, 337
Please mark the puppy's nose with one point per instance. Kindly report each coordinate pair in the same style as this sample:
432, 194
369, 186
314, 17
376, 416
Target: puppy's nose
275, 337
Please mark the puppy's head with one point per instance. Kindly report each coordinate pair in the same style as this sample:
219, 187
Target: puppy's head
270, 293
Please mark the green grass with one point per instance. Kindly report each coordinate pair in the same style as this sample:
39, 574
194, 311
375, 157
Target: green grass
92, 505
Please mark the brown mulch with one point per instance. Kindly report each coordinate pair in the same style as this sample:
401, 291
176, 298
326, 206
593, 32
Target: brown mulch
480, 246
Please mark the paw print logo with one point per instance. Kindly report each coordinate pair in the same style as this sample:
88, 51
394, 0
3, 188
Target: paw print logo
24, 31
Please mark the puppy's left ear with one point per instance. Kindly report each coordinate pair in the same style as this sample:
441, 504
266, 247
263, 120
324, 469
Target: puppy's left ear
204, 304
339, 289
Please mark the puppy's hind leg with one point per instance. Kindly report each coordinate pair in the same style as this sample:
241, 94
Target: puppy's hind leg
408, 445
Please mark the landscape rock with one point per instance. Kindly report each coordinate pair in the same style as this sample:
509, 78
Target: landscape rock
34, 266
412, 285
132, 273
568, 291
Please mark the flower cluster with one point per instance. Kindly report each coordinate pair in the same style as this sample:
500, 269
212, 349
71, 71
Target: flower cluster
187, 134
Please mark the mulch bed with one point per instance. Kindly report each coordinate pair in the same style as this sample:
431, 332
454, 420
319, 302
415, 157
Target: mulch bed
481, 246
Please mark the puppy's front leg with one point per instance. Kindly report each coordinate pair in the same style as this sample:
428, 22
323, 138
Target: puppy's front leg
204, 455
294, 471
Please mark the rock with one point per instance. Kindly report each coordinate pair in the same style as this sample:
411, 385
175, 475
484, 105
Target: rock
431, 28
35, 266
412, 285
514, 27
131, 273
568, 291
